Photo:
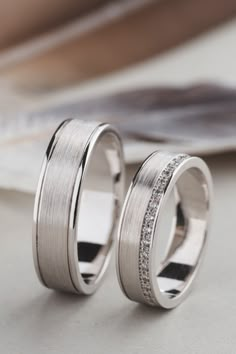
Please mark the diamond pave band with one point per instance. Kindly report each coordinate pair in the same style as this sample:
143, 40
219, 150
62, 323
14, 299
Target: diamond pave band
148, 226
144, 275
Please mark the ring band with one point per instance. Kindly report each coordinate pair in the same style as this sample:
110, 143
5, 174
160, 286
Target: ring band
148, 272
77, 206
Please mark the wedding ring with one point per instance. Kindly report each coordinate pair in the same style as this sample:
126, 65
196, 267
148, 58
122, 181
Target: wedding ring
163, 229
77, 206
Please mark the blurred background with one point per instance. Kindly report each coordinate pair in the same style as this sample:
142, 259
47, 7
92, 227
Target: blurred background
162, 71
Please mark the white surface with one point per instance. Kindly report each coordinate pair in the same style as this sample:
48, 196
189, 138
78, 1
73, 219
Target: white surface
36, 320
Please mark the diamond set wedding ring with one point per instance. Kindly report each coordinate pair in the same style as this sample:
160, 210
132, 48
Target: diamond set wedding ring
164, 228
77, 206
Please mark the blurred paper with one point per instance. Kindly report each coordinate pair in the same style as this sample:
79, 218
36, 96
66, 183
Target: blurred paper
199, 119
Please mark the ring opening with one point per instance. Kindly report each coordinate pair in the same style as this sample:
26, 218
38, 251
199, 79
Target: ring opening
182, 232
96, 215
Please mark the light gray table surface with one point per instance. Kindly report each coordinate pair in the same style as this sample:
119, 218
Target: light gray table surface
34, 319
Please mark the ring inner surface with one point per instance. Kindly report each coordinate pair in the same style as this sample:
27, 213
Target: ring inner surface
96, 212
182, 232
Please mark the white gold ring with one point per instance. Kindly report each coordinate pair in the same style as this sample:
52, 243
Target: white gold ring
77, 206
163, 229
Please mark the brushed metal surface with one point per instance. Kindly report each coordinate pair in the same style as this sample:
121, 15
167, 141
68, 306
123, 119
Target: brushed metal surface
57, 203
191, 181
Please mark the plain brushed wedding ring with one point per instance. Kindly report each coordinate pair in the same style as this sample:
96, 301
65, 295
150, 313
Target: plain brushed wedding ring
148, 272
77, 206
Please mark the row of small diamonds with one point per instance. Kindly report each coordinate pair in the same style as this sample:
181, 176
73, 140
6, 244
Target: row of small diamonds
148, 224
